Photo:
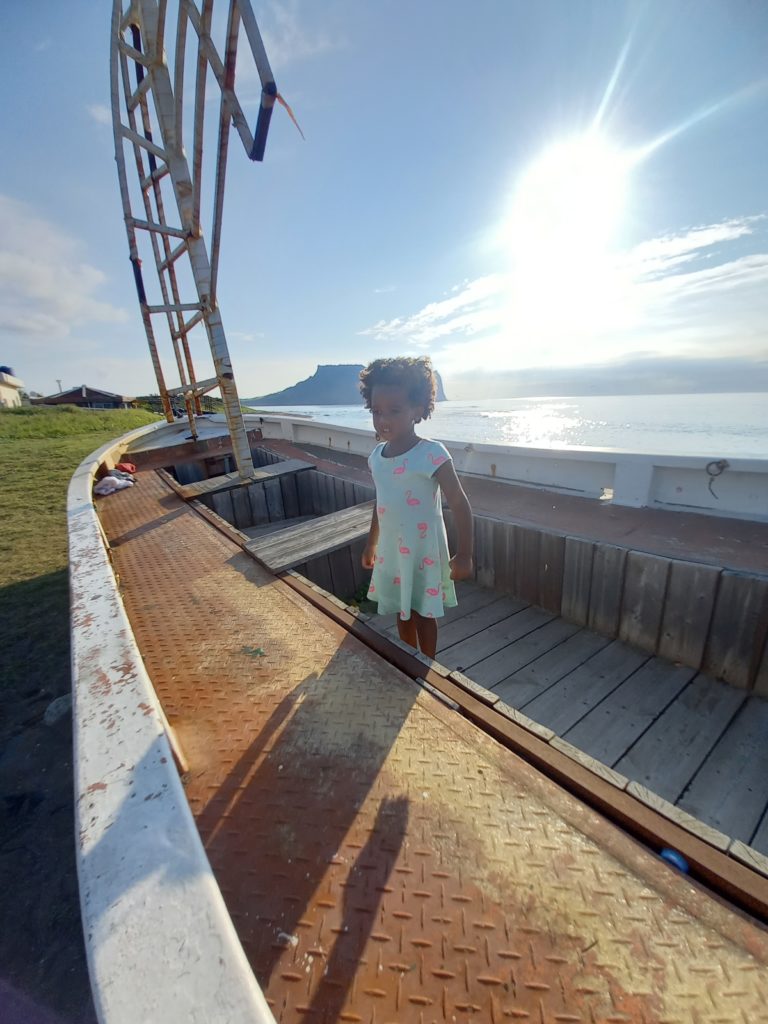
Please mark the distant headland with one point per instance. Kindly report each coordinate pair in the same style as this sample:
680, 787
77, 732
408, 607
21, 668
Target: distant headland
333, 384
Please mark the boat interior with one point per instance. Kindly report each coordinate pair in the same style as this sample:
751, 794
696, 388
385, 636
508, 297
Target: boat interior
478, 836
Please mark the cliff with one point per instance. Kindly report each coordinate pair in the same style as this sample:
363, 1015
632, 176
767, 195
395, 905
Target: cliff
328, 385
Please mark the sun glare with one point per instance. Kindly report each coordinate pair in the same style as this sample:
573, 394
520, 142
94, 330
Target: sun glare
563, 223
571, 199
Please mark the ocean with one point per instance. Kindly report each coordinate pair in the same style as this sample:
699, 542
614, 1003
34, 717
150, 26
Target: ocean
718, 425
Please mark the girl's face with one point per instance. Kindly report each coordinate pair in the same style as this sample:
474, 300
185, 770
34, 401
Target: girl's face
394, 415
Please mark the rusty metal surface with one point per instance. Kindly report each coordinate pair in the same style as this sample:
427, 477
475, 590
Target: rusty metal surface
382, 859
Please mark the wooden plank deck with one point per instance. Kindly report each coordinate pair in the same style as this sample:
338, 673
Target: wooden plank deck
267, 529
696, 742
229, 480
307, 541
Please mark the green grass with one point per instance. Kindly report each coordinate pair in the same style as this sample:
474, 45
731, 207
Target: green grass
39, 450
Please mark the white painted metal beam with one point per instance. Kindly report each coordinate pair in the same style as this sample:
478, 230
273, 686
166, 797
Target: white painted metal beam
161, 229
178, 307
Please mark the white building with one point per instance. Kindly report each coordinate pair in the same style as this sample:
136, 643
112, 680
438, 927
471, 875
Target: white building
10, 390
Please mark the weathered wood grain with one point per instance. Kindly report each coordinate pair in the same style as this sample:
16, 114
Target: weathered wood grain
326, 494
267, 529
222, 505
668, 754
552, 556
241, 508
573, 696
737, 634
645, 586
498, 668
503, 557
577, 579
304, 493
258, 501
227, 480
342, 574
527, 545
494, 638
484, 561
340, 493
290, 496
606, 589
730, 790
274, 497
361, 575
688, 611
319, 571
307, 541
610, 729
477, 621
542, 673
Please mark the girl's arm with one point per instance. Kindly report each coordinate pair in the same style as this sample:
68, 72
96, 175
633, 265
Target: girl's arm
462, 567
369, 553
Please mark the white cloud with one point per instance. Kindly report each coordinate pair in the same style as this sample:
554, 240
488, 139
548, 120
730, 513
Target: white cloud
288, 37
100, 113
247, 336
466, 312
674, 294
46, 287
668, 251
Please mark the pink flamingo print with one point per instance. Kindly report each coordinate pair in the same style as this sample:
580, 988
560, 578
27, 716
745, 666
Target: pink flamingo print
411, 500
396, 581
437, 460
433, 591
422, 528
426, 561
381, 510
399, 470
403, 549
371, 589
380, 559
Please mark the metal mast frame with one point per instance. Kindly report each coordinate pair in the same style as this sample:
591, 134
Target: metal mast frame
140, 73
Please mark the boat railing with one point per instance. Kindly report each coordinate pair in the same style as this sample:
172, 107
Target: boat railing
710, 484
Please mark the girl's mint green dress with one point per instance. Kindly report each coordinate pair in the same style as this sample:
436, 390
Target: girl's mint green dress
411, 570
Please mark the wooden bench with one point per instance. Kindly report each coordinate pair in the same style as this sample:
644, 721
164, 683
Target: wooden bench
230, 480
301, 543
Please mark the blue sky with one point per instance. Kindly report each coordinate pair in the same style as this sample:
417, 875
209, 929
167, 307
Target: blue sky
507, 186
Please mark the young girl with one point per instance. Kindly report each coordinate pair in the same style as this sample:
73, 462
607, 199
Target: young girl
407, 546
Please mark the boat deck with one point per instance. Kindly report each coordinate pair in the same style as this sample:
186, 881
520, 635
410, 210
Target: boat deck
694, 741
382, 858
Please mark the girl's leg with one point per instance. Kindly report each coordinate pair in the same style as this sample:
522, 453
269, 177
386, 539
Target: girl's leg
426, 630
406, 629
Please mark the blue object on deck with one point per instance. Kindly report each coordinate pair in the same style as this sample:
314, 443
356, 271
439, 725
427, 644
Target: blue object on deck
677, 860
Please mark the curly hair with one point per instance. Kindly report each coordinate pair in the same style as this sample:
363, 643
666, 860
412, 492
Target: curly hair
415, 375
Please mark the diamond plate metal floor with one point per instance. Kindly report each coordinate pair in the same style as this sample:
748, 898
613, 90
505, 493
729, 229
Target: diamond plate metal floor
383, 860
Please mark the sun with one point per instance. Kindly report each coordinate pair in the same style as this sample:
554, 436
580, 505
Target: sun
571, 199
560, 234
